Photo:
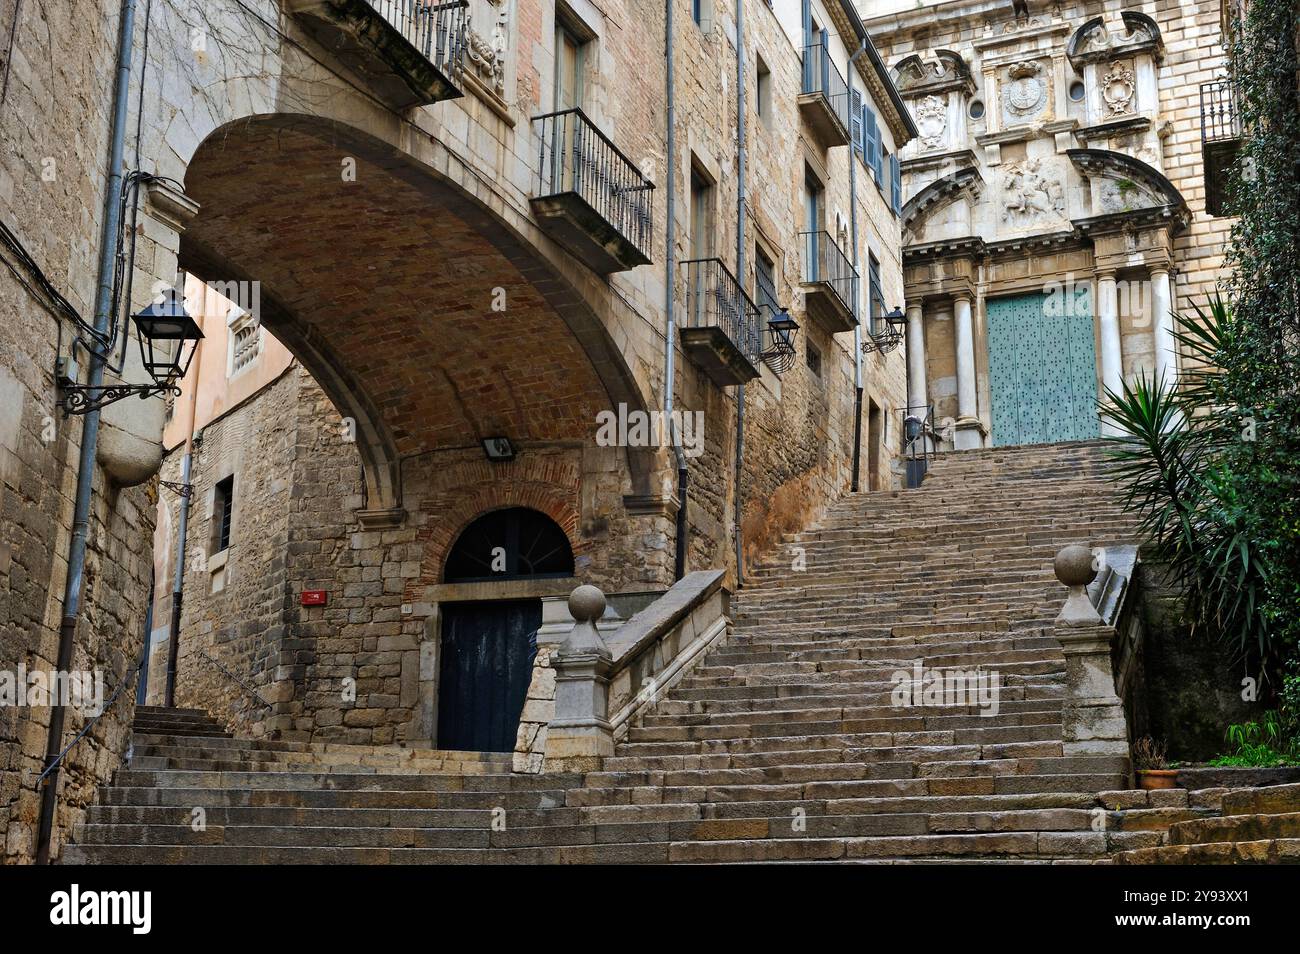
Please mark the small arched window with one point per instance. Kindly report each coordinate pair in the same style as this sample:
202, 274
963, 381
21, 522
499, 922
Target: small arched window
509, 544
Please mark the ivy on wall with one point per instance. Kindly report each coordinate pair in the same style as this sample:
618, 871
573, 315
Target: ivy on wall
1260, 358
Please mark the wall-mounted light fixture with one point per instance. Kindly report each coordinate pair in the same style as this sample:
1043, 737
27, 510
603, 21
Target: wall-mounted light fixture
889, 335
165, 321
498, 449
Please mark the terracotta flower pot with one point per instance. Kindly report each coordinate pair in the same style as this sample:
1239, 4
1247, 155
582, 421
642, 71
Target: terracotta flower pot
1157, 778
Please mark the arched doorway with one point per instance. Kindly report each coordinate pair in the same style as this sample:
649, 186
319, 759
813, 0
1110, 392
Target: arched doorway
487, 647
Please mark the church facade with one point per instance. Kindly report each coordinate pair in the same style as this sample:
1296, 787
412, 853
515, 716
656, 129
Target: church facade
1057, 214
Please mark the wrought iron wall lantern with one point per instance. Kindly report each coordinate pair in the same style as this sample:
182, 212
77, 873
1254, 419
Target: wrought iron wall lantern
889, 335
166, 321
782, 330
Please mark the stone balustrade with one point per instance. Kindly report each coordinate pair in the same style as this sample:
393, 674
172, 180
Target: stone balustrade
602, 685
1093, 719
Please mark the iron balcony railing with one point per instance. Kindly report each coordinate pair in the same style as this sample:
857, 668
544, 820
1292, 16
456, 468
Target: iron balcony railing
821, 75
436, 29
823, 261
1219, 119
715, 299
575, 156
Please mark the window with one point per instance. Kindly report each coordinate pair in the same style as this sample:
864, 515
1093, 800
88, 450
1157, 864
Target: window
702, 13
875, 297
223, 505
701, 214
813, 201
976, 109
895, 184
857, 121
243, 341
570, 57
763, 99
765, 283
1076, 91
814, 359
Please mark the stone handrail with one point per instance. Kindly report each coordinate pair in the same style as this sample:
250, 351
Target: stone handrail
601, 686
1093, 719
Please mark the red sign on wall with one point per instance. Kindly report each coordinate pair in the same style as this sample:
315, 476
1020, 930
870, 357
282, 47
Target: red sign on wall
314, 597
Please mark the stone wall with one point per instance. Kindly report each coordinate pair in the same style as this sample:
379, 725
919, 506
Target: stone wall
1193, 686
54, 136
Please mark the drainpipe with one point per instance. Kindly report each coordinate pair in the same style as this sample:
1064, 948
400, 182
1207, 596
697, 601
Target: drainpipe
182, 530
740, 274
90, 427
670, 345
857, 290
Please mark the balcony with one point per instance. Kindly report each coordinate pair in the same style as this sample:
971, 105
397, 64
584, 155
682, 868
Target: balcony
828, 282
1220, 143
824, 99
720, 328
590, 196
408, 52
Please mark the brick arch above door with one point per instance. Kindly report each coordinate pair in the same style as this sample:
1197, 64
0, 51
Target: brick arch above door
547, 481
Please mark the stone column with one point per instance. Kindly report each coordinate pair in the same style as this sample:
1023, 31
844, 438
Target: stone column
1112, 358
1092, 719
1162, 321
969, 430
580, 734
917, 391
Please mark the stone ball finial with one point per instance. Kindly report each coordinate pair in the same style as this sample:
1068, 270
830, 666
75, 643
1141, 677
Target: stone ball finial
1074, 565
587, 603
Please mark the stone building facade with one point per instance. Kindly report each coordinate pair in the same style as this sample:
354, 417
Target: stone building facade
54, 160
456, 244
1057, 213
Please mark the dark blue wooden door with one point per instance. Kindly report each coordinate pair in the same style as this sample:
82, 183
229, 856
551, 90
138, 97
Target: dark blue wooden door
486, 662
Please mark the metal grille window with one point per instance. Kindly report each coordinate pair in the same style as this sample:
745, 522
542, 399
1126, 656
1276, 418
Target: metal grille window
223, 505
1220, 143
1219, 120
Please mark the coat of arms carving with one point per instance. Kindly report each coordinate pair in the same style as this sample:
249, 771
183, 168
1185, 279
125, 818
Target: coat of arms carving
1024, 93
931, 121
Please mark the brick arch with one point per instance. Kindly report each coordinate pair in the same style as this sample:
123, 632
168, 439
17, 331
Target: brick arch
382, 285
467, 491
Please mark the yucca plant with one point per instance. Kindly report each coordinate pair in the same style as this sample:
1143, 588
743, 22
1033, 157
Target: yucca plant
1177, 457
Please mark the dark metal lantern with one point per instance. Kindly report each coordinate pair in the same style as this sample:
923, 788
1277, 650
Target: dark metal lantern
782, 330
167, 321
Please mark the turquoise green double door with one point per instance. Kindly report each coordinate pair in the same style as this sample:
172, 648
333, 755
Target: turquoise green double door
1042, 369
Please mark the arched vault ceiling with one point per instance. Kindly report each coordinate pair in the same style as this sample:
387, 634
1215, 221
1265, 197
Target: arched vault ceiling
393, 275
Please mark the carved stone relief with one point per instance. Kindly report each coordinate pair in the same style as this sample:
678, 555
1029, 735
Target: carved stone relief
1118, 88
1031, 193
932, 121
487, 53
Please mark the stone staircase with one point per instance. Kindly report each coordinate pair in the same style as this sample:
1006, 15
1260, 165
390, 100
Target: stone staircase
783, 744
1256, 826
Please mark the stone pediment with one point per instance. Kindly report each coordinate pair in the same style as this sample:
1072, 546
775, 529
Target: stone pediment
1094, 43
943, 191
1123, 188
939, 72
